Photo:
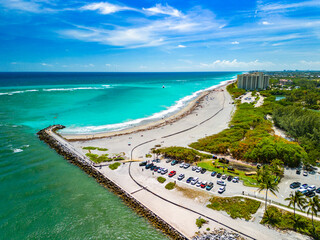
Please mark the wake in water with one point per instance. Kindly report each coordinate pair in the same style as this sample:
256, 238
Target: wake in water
129, 124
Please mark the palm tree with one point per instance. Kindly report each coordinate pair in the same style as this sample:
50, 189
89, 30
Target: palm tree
277, 167
266, 182
296, 198
313, 206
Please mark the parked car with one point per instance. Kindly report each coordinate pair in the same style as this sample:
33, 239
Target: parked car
203, 184
305, 173
149, 165
194, 180
143, 163
235, 180
221, 189
214, 157
310, 194
168, 160
318, 190
209, 186
298, 171
304, 186
219, 175
182, 165
303, 190
181, 176
203, 170
295, 185
186, 165
156, 169
224, 176
222, 183
174, 162
311, 188
164, 171
153, 167
160, 170
229, 178
194, 168
198, 169
213, 174
189, 180
172, 173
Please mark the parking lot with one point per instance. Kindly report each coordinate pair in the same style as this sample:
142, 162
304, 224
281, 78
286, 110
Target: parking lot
236, 188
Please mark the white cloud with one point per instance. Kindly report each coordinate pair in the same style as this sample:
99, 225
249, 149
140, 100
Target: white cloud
46, 64
311, 64
235, 42
278, 7
149, 33
108, 65
105, 7
166, 10
266, 23
143, 67
235, 64
181, 46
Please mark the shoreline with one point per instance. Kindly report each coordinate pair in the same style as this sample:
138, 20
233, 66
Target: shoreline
90, 169
186, 110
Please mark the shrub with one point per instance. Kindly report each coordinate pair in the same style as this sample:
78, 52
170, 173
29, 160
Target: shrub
118, 158
89, 148
161, 179
102, 149
114, 166
182, 153
236, 207
200, 221
170, 185
148, 155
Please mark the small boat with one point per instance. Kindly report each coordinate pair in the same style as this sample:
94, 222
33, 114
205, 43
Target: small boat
163, 86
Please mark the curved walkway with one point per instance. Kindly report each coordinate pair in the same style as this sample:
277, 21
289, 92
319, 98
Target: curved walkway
178, 205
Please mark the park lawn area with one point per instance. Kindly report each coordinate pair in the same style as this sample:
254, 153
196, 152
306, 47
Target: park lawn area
236, 207
98, 159
284, 220
249, 181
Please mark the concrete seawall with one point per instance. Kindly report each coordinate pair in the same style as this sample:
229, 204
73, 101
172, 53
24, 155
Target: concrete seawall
89, 168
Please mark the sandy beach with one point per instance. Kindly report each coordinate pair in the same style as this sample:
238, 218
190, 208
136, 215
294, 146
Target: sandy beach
210, 114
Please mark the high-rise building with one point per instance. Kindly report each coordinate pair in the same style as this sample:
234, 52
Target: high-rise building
253, 81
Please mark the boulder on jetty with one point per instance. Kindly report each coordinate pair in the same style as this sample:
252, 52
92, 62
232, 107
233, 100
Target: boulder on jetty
219, 234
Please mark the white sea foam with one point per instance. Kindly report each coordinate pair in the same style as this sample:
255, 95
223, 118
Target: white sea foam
17, 92
120, 126
17, 150
76, 88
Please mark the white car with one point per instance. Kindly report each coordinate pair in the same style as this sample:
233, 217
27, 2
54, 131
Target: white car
222, 183
235, 180
305, 173
311, 188
194, 181
182, 165
198, 169
199, 184
222, 189
194, 168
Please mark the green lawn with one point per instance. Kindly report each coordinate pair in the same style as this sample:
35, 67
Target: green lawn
249, 181
114, 166
285, 221
236, 207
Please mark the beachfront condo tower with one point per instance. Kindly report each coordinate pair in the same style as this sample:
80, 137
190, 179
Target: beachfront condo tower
253, 81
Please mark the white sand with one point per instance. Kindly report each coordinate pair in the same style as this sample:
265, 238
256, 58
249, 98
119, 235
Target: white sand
216, 102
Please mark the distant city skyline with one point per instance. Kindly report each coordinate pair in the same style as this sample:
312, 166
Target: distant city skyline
159, 36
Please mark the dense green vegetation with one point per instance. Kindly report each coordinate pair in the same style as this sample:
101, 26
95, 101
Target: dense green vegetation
182, 153
170, 185
285, 221
235, 91
200, 221
236, 207
114, 166
98, 159
161, 179
301, 124
249, 138
89, 148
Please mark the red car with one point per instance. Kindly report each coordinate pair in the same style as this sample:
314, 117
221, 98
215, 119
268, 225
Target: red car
172, 173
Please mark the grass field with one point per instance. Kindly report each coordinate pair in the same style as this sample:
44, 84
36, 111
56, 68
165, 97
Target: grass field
249, 181
236, 207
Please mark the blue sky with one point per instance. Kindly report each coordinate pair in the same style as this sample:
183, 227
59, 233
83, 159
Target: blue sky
147, 35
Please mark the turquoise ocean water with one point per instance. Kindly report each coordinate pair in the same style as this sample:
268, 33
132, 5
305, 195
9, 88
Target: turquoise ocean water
42, 196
